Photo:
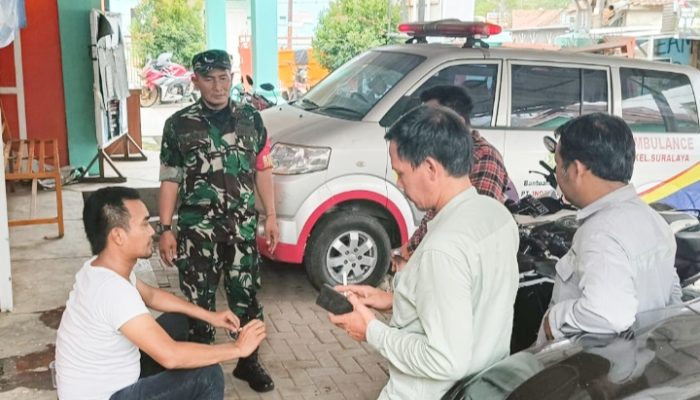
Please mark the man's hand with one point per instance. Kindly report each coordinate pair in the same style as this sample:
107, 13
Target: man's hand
250, 337
397, 263
272, 232
225, 319
369, 296
355, 323
168, 247
547, 328
404, 252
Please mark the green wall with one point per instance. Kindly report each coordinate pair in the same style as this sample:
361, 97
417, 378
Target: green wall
215, 23
264, 16
74, 25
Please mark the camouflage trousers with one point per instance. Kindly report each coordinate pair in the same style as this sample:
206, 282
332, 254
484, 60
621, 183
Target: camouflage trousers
202, 262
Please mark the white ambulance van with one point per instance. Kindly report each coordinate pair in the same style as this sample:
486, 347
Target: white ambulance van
339, 210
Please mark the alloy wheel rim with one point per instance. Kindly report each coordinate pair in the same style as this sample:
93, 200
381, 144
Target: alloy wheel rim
353, 253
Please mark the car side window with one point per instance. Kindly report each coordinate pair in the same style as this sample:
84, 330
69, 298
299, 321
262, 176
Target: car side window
658, 101
479, 79
544, 97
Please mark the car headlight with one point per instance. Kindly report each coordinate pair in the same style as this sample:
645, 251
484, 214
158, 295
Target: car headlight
290, 159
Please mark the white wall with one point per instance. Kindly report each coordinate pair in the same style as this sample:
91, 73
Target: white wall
647, 18
443, 9
237, 25
460, 9
124, 7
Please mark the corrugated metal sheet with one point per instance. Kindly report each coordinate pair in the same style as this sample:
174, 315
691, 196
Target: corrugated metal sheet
650, 3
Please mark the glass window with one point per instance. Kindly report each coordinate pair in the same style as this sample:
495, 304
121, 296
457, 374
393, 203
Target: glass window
352, 90
545, 97
479, 80
656, 101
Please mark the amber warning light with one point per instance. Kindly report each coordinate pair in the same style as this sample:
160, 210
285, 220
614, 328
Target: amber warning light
450, 28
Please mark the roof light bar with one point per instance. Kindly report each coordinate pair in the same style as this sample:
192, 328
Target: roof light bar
450, 28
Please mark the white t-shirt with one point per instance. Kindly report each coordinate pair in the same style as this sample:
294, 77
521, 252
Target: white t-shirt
93, 359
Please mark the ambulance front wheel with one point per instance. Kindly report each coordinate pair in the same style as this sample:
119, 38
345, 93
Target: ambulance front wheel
347, 244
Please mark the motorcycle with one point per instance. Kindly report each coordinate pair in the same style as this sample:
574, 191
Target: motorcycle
166, 82
255, 99
546, 228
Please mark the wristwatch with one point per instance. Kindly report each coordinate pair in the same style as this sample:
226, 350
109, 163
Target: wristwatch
160, 228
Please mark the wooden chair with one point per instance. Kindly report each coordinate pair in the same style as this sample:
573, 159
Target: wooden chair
28, 160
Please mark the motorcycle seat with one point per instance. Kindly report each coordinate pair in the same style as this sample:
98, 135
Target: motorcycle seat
678, 220
688, 243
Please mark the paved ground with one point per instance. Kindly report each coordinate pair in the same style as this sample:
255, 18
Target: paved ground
152, 118
152, 121
307, 356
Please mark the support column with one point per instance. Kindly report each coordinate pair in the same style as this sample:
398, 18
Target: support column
19, 81
5, 267
264, 31
215, 23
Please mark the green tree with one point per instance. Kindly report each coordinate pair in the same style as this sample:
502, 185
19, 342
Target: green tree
349, 27
175, 26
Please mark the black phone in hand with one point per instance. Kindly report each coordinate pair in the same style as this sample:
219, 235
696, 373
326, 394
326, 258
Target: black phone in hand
333, 301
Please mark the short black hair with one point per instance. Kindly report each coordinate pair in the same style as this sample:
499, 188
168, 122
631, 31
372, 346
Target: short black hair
602, 142
437, 132
105, 210
454, 97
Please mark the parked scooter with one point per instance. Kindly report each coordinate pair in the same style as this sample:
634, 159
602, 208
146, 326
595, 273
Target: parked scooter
166, 82
547, 226
255, 99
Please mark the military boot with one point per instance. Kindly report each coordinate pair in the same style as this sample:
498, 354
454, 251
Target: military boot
250, 370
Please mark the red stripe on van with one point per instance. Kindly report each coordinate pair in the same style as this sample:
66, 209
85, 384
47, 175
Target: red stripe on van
658, 185
294, 253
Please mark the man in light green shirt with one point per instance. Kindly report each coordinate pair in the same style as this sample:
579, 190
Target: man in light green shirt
453, 301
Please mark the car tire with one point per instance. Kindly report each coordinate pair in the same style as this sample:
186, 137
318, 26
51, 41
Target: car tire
366, 245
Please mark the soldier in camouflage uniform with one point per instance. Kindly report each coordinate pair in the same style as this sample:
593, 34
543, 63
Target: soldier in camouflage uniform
213, 155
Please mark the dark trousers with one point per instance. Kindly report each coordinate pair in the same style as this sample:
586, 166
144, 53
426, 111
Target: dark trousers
206, 383
177, 326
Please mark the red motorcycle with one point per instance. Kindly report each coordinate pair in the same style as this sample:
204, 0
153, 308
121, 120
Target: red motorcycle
166, 82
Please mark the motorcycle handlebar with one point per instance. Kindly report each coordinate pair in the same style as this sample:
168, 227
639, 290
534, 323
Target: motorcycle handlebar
547, 167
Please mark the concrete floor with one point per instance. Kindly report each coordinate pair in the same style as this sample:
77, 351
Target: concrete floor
306, 355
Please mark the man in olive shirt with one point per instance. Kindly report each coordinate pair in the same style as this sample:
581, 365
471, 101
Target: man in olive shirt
453, 301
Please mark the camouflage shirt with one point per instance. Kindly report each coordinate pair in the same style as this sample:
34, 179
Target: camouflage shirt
211, 155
